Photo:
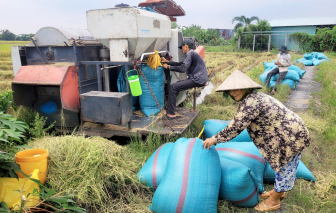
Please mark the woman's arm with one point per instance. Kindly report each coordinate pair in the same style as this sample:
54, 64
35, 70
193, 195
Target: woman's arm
247, 112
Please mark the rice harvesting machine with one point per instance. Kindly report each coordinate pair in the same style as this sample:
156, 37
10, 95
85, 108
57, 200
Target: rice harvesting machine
70, 76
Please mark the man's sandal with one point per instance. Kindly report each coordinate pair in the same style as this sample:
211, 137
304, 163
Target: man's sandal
268, 194
262, 207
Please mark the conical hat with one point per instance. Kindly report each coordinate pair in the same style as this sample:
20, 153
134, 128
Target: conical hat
238, 80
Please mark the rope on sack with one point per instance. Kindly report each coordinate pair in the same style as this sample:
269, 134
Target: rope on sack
201, 132
154, 61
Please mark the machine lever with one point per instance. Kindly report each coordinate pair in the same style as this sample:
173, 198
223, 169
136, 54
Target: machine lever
32, 39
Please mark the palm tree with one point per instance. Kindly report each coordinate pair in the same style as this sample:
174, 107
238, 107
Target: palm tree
243, 21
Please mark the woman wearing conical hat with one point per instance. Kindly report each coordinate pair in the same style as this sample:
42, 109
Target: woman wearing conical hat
279, 133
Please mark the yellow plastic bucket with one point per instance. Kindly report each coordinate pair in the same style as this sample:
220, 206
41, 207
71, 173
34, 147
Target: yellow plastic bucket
32, 159
134, 83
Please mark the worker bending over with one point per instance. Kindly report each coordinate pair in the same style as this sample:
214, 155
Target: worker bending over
196, 70
284, 61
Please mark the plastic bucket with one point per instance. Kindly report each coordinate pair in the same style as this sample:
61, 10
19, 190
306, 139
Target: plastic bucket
32, 159
134, 83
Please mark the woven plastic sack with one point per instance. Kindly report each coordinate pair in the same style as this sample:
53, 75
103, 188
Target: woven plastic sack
291, 74
308, 56
247, 154
317, 62
263, 77
292, 84
191, 181
302, 173
238, 184
155, 80
321, 56
121, 82
307, 62
268, 65
212, 127
152, 172
298, 70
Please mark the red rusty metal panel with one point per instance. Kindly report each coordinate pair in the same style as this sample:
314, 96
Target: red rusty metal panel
69, 90
201, 51
173, 8
40, 75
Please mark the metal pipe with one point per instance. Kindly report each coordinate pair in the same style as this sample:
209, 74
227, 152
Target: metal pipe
75, 53
105, 63
286, 40
194, 99
39, 50
127, 84
108, 67
253, 42
150, 53
269, 43
239, 42
99, 77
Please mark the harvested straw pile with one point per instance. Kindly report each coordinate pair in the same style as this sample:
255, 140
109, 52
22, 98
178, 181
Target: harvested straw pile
97, 171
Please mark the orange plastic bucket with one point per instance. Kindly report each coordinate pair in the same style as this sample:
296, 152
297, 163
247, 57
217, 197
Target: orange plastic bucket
32, 159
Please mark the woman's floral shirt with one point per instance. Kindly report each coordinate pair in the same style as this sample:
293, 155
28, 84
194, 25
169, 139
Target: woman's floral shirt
278, 132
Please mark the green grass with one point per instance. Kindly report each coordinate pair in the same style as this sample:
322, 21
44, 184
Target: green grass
227, 48
5, 46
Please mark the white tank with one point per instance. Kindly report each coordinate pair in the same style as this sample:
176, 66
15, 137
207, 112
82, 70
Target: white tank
129, 32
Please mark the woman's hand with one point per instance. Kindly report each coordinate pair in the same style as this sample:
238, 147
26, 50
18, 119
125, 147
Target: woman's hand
163, 60
208, 142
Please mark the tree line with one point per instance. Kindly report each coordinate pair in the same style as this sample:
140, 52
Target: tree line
7, 35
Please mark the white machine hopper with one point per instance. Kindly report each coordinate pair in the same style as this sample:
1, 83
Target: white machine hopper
129, 32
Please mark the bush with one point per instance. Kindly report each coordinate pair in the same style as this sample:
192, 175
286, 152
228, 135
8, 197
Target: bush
324, 39
6, 100
11, 129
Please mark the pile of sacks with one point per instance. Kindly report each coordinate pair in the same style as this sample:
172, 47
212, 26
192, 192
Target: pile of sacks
188, 178
146, 102
313, 59
291, 79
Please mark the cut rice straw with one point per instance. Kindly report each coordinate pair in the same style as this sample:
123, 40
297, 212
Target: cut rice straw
97, 171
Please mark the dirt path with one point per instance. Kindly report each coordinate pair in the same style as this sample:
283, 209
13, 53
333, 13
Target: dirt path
300, 97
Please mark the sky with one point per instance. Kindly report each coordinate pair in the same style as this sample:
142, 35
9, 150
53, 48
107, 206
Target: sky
28, 16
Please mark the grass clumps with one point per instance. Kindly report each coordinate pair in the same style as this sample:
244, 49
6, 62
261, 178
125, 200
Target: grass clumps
97, 171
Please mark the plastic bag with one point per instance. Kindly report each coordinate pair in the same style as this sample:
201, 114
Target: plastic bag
12, 197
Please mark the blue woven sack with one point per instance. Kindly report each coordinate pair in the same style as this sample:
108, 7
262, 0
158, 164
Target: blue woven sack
191, 181
152, 172
317, 62
308, 56
155, 80
292, 84
238, 184
212, 127
121, 82
269, 65
298, 70
321, 56
263, 77
247, 154
302, 173
49, 107
307, 62
291, 74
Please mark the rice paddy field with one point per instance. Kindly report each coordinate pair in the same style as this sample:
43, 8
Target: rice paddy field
102, 173
6, 67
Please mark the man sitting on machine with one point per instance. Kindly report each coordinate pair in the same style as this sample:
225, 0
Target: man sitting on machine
196, 70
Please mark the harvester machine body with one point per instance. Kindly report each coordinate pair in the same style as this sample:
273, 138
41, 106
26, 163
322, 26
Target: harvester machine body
70, 76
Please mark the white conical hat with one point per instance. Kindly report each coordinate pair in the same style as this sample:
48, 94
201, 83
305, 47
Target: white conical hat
238, 80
